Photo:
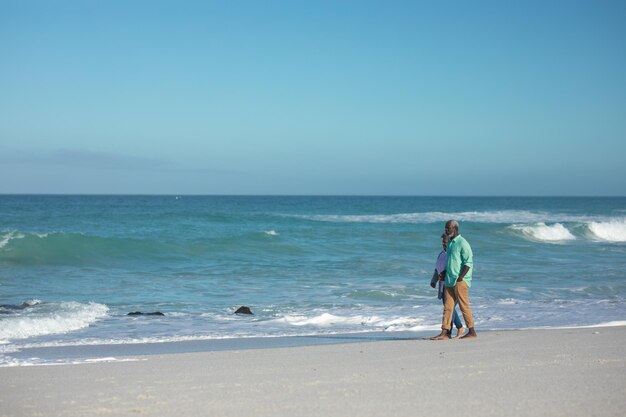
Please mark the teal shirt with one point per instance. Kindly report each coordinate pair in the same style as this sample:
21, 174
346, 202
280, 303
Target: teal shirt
459, 255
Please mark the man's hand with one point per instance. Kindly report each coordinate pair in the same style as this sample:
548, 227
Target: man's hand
463, 273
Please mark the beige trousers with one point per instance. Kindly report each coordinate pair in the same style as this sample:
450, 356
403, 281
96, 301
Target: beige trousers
460, 294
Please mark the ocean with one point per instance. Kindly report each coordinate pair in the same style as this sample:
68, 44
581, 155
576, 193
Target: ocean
73, 267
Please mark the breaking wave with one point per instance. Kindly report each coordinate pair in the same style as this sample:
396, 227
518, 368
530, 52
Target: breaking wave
545, 233
610, 231
613, 231
496, 217
35, 318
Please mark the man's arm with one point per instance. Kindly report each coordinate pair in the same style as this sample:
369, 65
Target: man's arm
467, 259
463, 273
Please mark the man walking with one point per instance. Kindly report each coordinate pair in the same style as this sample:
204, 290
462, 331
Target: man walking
458, 281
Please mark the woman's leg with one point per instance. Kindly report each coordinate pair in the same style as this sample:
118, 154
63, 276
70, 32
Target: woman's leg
457, 323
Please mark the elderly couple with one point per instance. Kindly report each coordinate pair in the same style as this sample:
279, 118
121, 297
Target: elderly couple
454, 275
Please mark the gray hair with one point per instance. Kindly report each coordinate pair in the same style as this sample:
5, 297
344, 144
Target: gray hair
453, 224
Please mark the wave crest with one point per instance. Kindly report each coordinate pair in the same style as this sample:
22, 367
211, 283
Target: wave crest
492, 216
545, 233
41, 319
613, 231
4, 240
71, 248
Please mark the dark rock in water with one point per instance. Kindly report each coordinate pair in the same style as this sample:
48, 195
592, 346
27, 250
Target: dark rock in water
139, 313
7, 308
244, 310
12, 306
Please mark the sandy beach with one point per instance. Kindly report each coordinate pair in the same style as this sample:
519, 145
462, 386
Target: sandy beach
567, 372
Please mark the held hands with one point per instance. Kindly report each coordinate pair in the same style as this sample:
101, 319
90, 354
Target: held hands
433, 280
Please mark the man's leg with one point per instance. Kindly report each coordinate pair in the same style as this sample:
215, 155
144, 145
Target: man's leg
448, 308
462, 295
457, 323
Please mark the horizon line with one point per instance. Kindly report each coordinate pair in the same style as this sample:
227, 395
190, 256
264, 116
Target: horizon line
305, 195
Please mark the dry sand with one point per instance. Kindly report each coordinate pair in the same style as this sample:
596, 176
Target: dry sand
570, 372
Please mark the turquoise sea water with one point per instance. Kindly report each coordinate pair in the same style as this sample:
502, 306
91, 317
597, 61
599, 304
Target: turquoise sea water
72, 267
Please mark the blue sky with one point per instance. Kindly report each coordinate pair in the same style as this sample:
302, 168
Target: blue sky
313, 97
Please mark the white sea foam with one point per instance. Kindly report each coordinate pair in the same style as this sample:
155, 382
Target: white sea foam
95, 360
5, 239
271, 233
327, 320
9, 362
545, 233
508, 301
495, 216
612, 231
611, 324
32, 302
52, 318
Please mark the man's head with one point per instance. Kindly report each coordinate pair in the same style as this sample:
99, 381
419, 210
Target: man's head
444, 241
452, 229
